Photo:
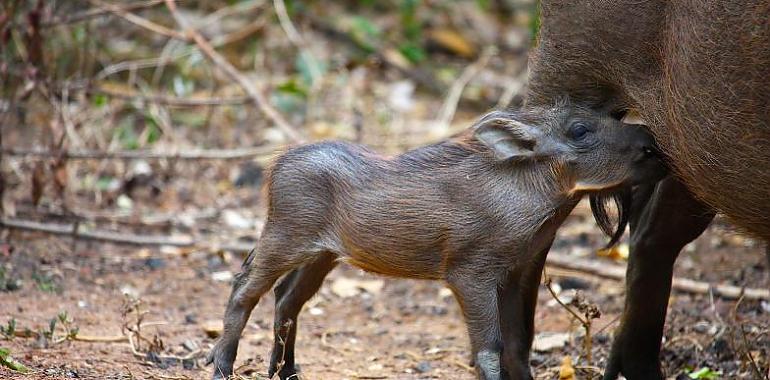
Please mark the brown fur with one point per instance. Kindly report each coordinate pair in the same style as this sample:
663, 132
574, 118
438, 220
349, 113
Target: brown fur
697, 71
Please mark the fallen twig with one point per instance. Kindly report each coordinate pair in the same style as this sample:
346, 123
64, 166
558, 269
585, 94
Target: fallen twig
616, 272
257, 97
171, 100
139, 21
591, 267
96, 12
192, 154
114, 237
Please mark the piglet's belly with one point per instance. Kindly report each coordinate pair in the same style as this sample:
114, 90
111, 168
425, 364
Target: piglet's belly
424, 265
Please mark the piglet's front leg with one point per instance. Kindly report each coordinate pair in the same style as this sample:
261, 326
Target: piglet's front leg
517, 299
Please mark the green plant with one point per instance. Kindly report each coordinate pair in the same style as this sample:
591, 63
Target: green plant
46, 283
8, 361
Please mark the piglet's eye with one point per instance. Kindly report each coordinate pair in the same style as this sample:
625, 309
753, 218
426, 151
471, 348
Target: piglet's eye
578, 131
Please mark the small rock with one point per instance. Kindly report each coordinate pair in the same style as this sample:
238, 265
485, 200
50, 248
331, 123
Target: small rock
701, 327
574, 283
423, 367
130, 291
445, 293
234, 219
602, 338
188, 363
375, 367
124, 202
222, 276
316, 311
190, 345
155, 263
349, 287
213, 328
546, 341
190, 319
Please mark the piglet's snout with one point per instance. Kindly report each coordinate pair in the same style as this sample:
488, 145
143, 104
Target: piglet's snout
643, 144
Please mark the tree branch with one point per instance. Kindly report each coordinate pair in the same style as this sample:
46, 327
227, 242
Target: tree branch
616, 272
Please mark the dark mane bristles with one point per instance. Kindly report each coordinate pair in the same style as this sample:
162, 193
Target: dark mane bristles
622, 200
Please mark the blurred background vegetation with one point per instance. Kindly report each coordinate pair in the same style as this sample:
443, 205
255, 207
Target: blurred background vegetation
81, 78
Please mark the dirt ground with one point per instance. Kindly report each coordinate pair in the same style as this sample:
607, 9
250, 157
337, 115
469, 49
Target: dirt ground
359, 326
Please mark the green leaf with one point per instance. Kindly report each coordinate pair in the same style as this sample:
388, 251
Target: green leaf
365, 33
8, 361
309, 67
292, 87
705, 373
99, 100
412, 52
125, 133
104, 183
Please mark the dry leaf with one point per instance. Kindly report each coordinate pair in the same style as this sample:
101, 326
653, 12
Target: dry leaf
38, 182
59, 170
349, 287
566, 371
452, 41
213, 328
618, 252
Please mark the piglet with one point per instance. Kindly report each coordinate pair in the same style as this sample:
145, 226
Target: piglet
478, 211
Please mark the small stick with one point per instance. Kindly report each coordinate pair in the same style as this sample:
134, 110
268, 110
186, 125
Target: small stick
615, 272
170, 100
139, 21
585, 321
114, 237
447, 112
96, 12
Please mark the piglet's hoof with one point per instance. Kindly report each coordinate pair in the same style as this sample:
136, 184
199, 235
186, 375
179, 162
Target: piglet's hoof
286, 373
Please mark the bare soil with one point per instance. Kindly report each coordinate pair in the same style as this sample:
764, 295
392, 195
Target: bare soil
405, 330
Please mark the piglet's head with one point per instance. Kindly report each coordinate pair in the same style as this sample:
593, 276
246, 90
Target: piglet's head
603, 157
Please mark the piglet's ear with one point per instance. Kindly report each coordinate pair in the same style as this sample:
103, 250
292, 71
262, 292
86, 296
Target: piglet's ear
508, 138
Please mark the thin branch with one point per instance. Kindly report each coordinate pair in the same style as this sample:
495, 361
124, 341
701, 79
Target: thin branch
296, 39
257, 97
616, 272
96, 12
118, 238
447, 112
171, 100
139, 21
210, 154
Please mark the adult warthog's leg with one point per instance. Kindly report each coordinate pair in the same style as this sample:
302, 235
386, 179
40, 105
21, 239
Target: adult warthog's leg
665, 217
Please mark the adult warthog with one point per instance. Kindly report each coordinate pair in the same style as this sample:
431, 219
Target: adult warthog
698, 72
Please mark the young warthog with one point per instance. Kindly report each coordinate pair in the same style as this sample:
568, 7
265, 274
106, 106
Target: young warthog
478, 211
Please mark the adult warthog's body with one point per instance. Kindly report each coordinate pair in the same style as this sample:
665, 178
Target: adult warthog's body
698, 72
